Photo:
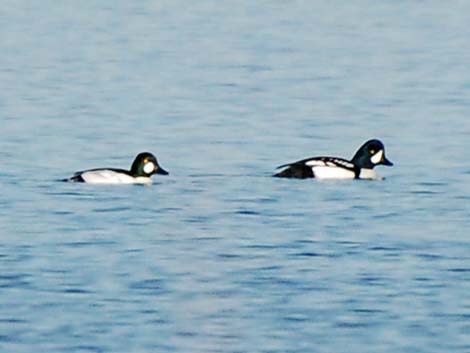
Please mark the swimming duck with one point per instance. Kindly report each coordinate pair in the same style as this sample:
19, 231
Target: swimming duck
143, 167
369, 155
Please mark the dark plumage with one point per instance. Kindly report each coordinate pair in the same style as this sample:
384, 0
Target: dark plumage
296, 170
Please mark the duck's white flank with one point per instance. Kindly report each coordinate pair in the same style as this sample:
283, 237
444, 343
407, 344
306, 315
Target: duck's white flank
368, 174
323, 172
106, 176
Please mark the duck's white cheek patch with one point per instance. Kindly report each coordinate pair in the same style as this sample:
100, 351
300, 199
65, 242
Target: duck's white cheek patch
149, 168
376, 158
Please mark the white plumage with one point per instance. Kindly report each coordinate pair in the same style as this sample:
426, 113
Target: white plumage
332, 172
368, 174
377, 158
106, 176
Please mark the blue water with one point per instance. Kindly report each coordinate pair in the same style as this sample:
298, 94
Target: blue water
219, 256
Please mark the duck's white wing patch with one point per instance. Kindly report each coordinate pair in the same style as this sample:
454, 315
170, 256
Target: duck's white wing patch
329, 162
343, 163
315, 163
106, 176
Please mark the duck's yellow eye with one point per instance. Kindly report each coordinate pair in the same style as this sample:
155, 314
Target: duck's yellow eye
146, 160
372, 151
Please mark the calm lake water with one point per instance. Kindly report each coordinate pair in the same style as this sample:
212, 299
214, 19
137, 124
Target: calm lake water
219, 256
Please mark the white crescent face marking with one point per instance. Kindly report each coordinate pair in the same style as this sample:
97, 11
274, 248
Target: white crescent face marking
376, 158
149, 168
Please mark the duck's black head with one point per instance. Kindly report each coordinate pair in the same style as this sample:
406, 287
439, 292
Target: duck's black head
145, 164
370, 154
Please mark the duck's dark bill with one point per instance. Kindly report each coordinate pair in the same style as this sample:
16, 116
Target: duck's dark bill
161, 171
387, 162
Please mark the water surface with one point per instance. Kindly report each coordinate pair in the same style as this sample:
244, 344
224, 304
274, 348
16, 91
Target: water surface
219, 256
